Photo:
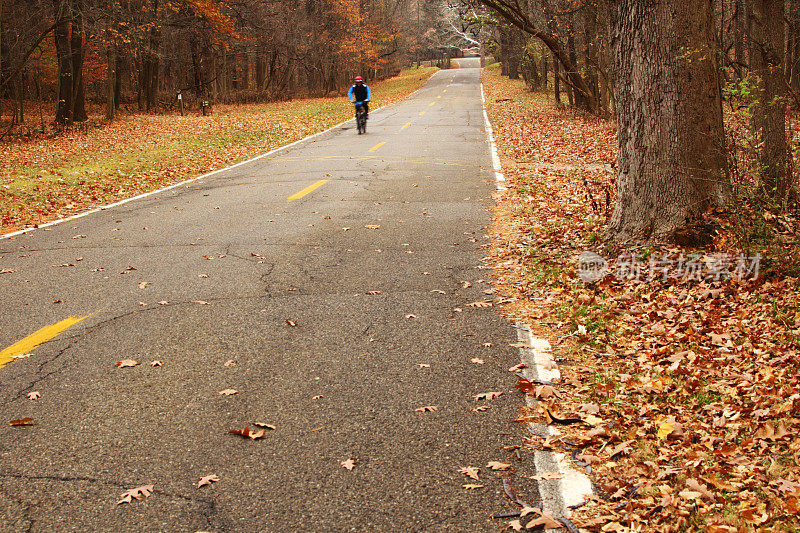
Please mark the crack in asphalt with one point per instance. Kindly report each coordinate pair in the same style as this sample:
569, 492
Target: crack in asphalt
208, 507
39, 375
312, 246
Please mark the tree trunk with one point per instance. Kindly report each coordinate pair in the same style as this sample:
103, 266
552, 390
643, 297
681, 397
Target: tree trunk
671, 162
793, 61
545, 72
768, 54
77, 44
557, 79
592, 56
63, 55
111, 61
504, 50
740, 31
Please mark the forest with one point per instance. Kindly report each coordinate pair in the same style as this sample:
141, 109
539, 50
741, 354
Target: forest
701, 90
139, 55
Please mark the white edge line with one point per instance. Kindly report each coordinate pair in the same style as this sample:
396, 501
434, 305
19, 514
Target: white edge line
574, 485
500, 179
190, 180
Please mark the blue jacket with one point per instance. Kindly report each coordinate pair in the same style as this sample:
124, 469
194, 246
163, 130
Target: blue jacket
359, 94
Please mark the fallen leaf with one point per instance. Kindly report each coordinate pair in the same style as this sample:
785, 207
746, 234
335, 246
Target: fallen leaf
480, 408
348, 464
410, 316
593, 420
229, 392
143, 284
477, 361
487, 396
245, 432
156, 363
138, 493
547, 475
317, 397
372, 226
230, 362
665, 429
524, 385
163, 302
207, 480
472, 486
516, 525
22, 355
437, 291
125, 363
466, 284
291, 323
517, 368
200, 302
373, 293
487, 345
265, 426
34, 395
496, 465
21, 422
546, 521
480, 304
427, 408
423, 365
470, 471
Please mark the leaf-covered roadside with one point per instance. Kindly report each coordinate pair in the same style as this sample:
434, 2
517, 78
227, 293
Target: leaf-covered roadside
687, 391
52, 177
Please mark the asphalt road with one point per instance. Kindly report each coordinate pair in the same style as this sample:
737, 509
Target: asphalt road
375, 267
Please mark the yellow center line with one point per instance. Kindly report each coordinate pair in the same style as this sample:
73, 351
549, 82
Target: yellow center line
407, 124
432, 103
438, 96
307, 190
35, 339
444, 90
421, 113
376, 146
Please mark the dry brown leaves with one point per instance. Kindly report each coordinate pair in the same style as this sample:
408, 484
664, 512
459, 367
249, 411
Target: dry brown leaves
692, 387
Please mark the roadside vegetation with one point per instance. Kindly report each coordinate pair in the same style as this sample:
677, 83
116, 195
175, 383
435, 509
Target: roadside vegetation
51, 177
678, 361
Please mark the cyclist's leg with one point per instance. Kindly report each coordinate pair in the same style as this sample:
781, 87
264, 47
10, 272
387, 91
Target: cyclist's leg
366, 109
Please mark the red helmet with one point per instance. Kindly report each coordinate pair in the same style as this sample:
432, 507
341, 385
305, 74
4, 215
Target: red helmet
359, 79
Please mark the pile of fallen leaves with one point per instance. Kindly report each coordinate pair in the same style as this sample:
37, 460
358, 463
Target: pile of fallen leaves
55, 176
679, 396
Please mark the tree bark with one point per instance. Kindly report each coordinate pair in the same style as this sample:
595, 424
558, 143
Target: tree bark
63, 55
768, 52
556, 79
77, 46
671, 162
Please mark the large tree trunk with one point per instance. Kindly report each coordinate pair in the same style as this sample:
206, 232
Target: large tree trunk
671, 163
768, 55
63, 10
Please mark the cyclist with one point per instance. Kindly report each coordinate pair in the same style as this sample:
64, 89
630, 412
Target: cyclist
360, 93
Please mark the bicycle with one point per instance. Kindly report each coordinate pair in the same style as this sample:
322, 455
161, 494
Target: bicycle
361, 118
